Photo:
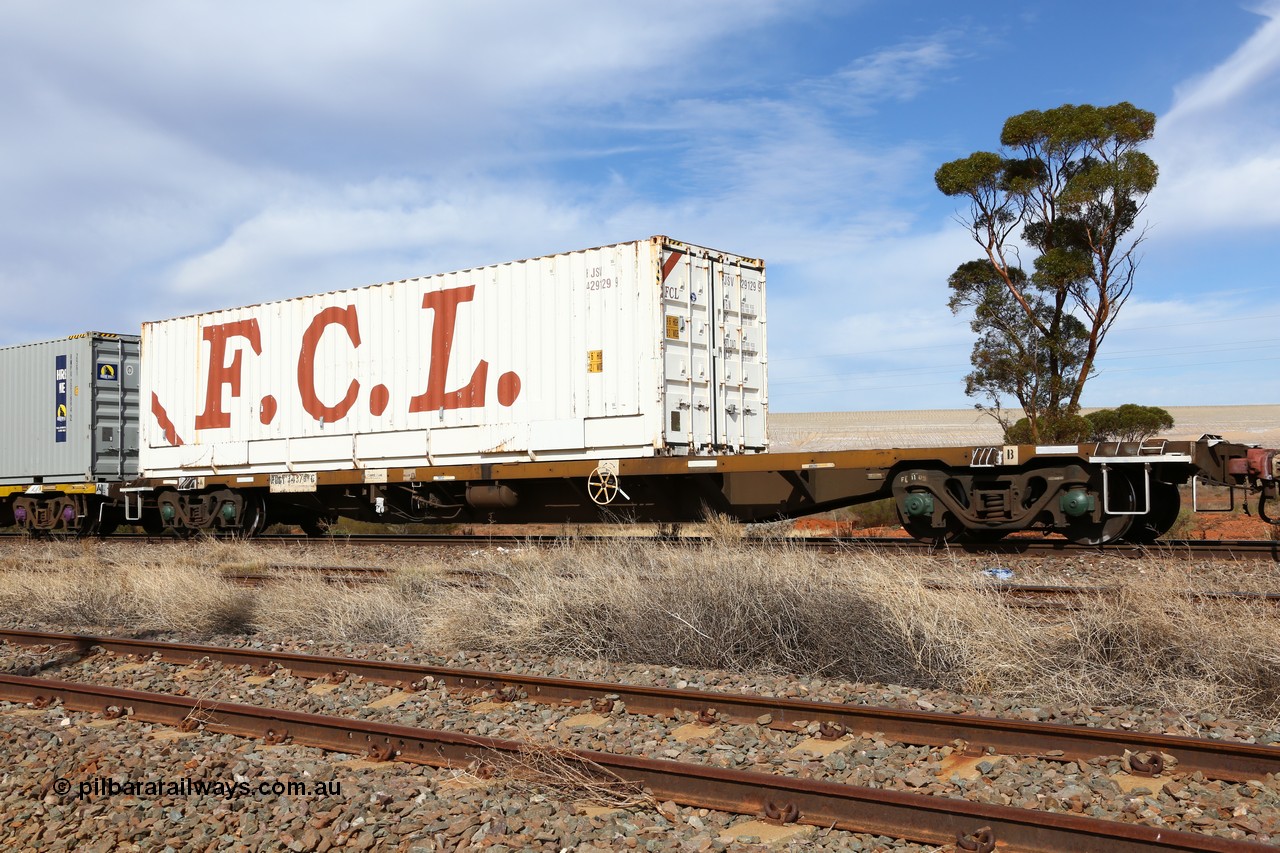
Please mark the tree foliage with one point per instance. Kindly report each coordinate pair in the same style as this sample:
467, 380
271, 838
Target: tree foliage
1129, 422
1070, 187
1066, 429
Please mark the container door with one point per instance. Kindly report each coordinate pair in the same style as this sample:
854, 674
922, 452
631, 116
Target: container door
689, 334
114, 438
739, 354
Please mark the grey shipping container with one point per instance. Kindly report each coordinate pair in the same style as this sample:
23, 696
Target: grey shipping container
69, 411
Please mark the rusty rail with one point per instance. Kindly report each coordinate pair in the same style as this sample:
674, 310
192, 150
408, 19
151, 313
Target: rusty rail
1234, 549
916, 817
1216, 759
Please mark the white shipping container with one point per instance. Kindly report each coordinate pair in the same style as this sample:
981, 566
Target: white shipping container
638, 349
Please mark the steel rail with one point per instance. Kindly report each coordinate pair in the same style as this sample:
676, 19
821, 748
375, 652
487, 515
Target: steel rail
915, 817
1230, 549
1031, 592
1228, 760
1039, 547
1044, 591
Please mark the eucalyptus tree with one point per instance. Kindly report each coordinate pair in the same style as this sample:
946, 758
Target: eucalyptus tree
1068, 188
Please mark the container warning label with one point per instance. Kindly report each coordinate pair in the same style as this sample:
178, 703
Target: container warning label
673, 327
595, 361
60, 399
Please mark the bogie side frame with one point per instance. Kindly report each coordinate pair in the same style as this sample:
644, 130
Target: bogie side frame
1091, 493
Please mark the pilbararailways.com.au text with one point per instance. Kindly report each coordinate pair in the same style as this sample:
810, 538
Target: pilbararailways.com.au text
237, 786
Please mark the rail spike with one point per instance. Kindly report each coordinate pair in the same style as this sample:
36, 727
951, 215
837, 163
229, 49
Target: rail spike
831, 731
779, 815
1150, 764
981, 840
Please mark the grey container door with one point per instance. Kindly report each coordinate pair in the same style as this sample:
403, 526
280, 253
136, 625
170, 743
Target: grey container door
115, 408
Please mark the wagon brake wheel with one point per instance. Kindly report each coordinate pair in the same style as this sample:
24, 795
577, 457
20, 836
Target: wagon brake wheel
602, 486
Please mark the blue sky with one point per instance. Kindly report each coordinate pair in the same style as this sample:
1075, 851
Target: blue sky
164, 158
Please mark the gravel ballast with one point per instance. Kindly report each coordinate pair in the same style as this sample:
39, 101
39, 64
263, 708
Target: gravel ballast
407, 806
399, 806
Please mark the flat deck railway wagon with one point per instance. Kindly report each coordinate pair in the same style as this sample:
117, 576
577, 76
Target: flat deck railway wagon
620, 382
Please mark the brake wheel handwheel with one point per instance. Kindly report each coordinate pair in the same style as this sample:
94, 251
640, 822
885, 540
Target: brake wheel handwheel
602, 486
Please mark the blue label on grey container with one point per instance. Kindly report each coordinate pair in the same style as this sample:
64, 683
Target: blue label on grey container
60, 398
107, 371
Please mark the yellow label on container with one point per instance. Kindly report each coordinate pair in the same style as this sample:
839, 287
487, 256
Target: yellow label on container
595, 361
673, 327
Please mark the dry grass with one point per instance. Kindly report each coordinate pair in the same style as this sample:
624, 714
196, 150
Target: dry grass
874, 618
1154, 641
353, 612
538, 769
732, 604
141, 597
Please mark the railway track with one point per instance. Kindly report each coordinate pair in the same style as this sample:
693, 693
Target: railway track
915, 817
1224, 549
1044, 596
982, 735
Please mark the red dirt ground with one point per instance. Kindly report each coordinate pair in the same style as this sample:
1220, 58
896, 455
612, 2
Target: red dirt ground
1229, 526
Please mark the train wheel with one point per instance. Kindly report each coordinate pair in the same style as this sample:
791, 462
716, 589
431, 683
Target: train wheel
253, 516
151, 523
1166, 502
923, 529
1086, 531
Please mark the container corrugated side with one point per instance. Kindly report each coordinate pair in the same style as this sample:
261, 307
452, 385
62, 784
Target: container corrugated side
70, 412
557, 357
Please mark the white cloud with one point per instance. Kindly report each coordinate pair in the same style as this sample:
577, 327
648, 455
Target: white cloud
1193, 350
368, 233
1250, 67
897, 73
231, 142
234, 70
160, 159
1218, 147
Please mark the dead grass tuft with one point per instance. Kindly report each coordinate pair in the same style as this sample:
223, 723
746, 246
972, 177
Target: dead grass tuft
538, 769
868, 617
724, 605
731, 603
141, 598
1154, 641
356, 612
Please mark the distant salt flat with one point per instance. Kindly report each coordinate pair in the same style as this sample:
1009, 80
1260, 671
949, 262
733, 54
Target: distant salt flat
954, 427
